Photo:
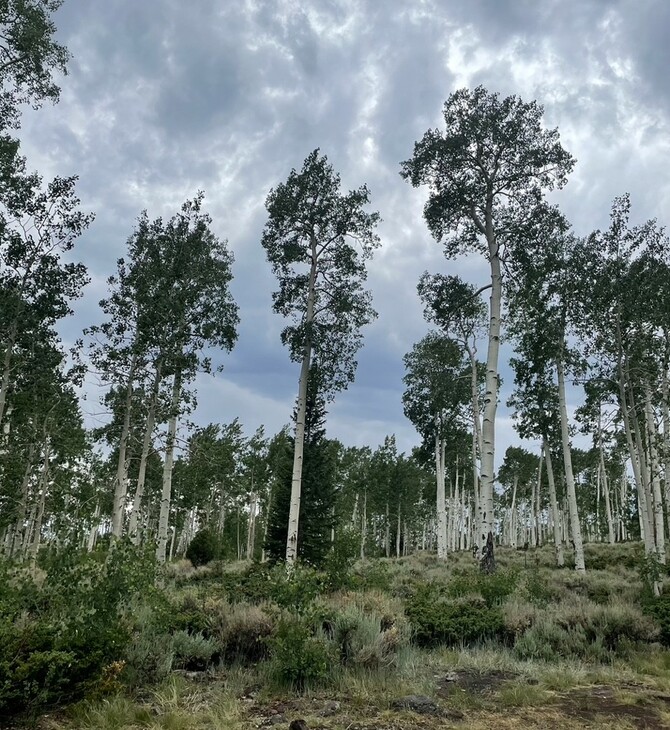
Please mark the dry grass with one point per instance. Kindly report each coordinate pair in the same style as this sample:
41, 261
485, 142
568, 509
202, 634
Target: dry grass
588, 683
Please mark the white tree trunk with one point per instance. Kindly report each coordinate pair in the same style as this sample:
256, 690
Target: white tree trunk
43, 485
251, 528
19, 529
491, 393
538, 505
121, 483
7, 367
645, 498
606, 494
133, 525
476, 430
364, 523
398, 536
655, 468
665, 405
296, 479
569, 477
166, 496
512, 514
441, 499
93, 532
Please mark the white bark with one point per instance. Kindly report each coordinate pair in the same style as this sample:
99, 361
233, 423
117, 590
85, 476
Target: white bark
654, 467
166, 496
387, 533
512, 514
538, 505
43, 486
569, 477
133, 524
251, 527
121, 483
441, 499
364, 523
486, 524
665, 405
477, 447
296, 479
19, 529
93, 532
645, 499
397, 537
7, 367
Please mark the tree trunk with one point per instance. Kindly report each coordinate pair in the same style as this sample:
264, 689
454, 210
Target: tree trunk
398, 536
166, 496
665, 404
133, 525
121, 483
387, 533
654, 468
441, 499
296, 479
606, 493
512, 520
19, 529
491, 395
266, 523
569, 477
538, 504
7, 367
251, 527
364, 523
93, 532
476, 429
37, 531
645, 499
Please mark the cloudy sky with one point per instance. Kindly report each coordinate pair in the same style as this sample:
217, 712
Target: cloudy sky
166, 97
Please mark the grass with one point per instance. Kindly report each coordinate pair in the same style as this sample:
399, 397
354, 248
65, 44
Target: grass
589, 653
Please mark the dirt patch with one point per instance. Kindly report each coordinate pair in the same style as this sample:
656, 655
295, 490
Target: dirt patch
597, 703
473, 682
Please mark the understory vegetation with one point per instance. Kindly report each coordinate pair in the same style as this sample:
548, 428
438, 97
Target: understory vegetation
108, 641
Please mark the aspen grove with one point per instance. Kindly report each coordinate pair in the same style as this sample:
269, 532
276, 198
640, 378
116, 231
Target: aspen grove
574, 325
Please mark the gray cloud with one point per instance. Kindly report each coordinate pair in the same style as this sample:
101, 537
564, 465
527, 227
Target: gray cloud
228, 97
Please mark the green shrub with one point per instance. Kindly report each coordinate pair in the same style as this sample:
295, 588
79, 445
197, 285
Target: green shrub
186, 613
293, 588
373, 576
58, 637
148, 657
586, 631
659, 609
194, 651
253, 584
437, 620
299, 658
241, 629
203, 548
338, 563
537, 588
494, 588
296, 589
367, 640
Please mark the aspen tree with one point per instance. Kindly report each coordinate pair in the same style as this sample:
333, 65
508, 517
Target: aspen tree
317, 240
486, 173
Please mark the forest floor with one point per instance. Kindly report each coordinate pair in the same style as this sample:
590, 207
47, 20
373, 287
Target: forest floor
574, 652
474, 689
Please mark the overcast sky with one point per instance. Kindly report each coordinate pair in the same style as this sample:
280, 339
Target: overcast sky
166, 97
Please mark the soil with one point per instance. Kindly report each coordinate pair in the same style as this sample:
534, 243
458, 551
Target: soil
473, 682
598, 703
